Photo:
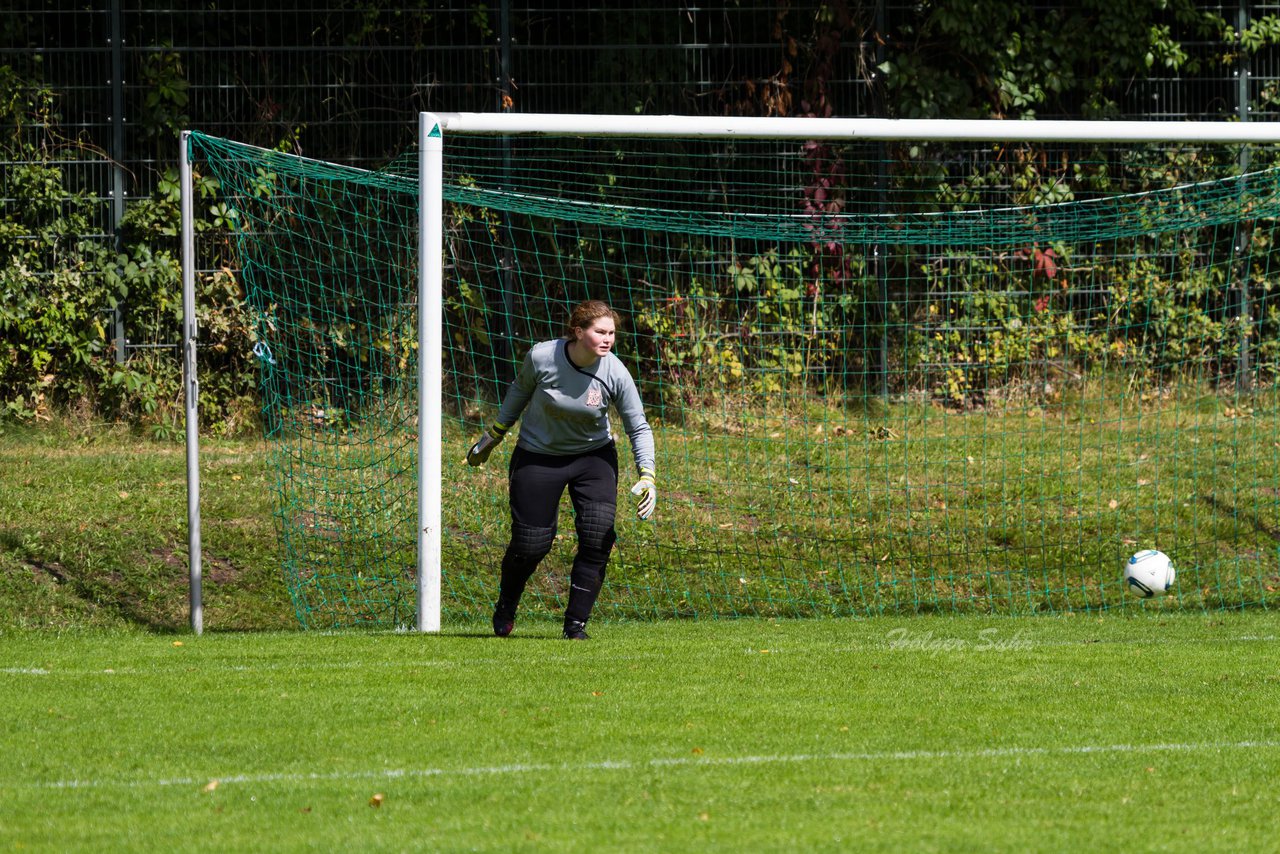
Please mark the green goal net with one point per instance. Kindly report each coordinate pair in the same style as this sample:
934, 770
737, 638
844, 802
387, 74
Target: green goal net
883, 377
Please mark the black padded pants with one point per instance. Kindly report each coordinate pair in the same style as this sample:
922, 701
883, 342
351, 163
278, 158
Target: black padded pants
537, 482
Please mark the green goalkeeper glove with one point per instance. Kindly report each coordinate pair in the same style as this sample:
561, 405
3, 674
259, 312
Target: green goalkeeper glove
647, 494
484, 446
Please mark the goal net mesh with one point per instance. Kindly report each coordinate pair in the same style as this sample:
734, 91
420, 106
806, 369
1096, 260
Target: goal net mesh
883, 378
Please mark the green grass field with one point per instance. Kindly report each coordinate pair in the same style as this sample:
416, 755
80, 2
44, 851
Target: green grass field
959, 733
1149, 727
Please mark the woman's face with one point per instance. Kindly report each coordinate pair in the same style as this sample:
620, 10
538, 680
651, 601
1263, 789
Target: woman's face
596, 337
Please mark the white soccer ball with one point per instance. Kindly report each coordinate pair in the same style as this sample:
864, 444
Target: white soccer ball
1149, 573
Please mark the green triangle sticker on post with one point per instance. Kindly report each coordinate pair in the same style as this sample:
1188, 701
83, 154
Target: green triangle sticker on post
435, 130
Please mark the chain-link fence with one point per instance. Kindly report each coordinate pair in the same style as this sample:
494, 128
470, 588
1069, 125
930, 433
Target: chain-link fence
343, 81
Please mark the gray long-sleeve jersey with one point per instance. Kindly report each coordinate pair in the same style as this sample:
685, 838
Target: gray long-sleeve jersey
566, 408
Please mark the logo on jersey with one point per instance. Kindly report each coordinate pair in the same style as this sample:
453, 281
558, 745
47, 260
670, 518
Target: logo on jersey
593, 397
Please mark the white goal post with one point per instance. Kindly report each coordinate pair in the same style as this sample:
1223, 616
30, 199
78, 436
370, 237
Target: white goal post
432, 131
934, 130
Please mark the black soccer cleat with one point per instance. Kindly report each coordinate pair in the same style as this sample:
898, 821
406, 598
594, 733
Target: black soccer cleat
575, 630
504, 620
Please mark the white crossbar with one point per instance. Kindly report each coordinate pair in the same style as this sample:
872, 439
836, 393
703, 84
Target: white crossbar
957, 130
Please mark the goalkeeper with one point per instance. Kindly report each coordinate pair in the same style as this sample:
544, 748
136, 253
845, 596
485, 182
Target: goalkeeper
564, 389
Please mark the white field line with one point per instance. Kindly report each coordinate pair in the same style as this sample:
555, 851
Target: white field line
910, 642
698, 762
206, 667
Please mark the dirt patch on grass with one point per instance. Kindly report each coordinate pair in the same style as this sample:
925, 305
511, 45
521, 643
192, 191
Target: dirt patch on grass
212, 568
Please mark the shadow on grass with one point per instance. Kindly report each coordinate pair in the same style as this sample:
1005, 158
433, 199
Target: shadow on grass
106, 590
1245, 516
490, 636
